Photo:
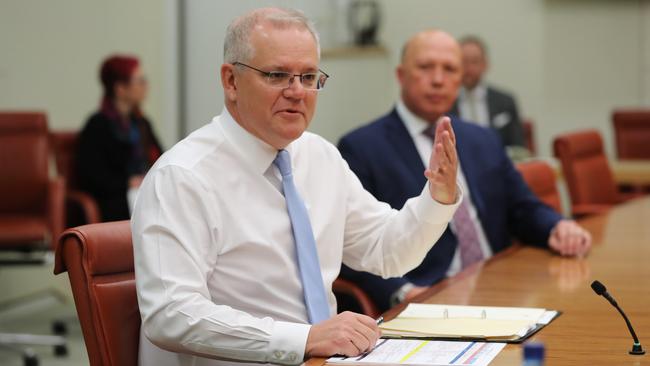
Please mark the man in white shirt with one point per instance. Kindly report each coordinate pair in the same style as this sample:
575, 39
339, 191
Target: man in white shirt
484, 104
240, 229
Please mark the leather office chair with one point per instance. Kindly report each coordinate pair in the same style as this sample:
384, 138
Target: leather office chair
99, 262
31, 203
343, 288
586, 170
540, 177
632, 131
31, 206
81, 208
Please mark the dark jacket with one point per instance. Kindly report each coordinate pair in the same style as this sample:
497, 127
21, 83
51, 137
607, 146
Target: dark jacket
385, 159
109, 152
504, 116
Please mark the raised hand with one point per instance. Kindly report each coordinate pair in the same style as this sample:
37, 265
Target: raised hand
443, 164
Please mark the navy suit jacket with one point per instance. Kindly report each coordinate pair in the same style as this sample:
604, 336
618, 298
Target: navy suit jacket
384, 157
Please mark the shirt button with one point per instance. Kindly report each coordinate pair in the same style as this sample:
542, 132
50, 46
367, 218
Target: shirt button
278, 354
292, 356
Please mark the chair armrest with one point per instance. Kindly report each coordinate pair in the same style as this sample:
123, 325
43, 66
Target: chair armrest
349, 288
626, 196
586, 209
56, 208
87, 204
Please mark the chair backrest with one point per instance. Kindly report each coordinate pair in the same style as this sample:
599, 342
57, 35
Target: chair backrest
99, 262
64, 145
632, 131
585, 168
529, 135
540, 177
23, 162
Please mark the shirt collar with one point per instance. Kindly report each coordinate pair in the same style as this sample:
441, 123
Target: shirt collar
257, 153
479, 91
414, 124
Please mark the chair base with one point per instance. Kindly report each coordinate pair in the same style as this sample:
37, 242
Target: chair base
14, 341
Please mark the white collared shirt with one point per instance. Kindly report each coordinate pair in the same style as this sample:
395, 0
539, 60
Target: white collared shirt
214, 254
424, 145
477, 99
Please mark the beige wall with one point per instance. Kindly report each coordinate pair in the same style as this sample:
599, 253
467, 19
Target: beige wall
51, 51
592, 64
569, 62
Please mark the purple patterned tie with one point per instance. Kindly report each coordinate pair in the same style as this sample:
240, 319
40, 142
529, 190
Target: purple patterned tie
467, 235
464, 227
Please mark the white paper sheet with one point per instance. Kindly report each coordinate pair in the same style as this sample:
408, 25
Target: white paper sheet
429, 353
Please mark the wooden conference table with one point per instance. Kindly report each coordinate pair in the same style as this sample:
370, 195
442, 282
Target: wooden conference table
590, 331
631, 172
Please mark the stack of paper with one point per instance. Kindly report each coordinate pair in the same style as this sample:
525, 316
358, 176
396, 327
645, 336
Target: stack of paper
429, 353
451, 321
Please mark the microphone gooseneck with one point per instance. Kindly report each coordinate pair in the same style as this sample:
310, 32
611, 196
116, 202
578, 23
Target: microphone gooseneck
601, 290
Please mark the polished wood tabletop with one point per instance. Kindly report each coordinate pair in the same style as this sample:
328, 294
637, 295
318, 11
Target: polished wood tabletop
631, 172
590, 331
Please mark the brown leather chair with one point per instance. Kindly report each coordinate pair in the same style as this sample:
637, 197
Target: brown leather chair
31, 203
586, 170
99, 262
540, 177
529, 135
31, 207
81, 208
342, 287
632, 131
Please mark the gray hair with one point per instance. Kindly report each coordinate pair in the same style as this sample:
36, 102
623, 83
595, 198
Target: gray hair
237, 45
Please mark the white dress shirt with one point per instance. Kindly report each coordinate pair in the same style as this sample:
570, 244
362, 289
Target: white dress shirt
415, 126
215, 263
475, 99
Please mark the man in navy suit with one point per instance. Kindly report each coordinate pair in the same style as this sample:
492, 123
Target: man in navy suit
389, 155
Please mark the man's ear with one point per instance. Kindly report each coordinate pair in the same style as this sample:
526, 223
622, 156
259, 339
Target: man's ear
399, 73
228, 82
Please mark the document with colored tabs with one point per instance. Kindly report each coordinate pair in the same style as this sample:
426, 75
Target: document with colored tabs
429, 353
500, 324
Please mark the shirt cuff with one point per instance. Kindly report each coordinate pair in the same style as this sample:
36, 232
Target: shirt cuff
288, 342
434, 212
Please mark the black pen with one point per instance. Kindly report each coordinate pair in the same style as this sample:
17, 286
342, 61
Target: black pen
380, 320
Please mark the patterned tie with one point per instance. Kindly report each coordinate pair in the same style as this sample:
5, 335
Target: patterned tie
467, 235
464, 227
308, 264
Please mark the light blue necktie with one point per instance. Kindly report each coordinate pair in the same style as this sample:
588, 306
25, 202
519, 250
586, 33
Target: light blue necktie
308, 264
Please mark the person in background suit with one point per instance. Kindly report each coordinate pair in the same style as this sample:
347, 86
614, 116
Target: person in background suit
117, 144
388, 156
481, 103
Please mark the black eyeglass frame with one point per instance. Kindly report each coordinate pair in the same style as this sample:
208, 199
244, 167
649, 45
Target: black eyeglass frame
320, 84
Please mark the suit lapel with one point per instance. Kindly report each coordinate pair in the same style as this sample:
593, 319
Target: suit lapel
401, 140
491, 105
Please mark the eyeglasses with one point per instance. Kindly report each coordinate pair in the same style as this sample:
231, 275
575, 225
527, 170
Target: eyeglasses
280, 79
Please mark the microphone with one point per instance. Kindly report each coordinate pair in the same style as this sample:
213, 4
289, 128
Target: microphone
601, 290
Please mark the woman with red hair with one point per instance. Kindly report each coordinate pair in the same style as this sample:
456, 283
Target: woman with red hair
117, 145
